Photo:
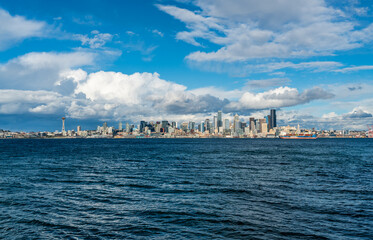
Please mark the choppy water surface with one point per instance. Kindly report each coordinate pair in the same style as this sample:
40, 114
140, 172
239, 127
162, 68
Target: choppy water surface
186, 188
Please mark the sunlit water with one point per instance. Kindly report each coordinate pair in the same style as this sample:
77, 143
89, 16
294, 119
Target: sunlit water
186, 188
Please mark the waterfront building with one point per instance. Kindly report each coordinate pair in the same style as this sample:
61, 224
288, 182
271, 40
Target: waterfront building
120, 127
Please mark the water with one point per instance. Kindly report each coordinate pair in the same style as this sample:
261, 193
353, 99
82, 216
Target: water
186, 189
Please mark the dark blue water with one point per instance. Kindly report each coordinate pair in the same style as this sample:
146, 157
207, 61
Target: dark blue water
186, 189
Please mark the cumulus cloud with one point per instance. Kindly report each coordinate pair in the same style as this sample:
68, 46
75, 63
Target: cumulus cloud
40, 102
277, 98
14, 29
358, 113
115, 95
40, 70
249, 31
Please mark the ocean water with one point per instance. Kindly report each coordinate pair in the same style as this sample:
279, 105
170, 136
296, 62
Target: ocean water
186, 189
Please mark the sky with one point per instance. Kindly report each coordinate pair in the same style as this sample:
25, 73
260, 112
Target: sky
183, 60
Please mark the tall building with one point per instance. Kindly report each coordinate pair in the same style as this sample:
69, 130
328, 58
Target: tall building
202, 126
236, 123
142, 126
273, 118
226, 124
269, 122
207, 125
104, 127
120, 127
128, 129
220, 120
252, 124
215, 123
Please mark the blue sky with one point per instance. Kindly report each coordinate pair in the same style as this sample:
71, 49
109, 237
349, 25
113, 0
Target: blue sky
95, 61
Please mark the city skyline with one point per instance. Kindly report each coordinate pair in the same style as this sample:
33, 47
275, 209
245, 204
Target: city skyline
185, 60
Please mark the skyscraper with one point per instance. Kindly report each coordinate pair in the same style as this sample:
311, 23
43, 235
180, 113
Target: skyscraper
207, 125
226, 124
236, 123
220, 120
273, 118
120, 127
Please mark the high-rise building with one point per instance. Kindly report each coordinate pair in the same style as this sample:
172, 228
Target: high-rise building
142, 126
226, 124
252, 124
215, 123
236, 123
128, 129
202, 126
220, 120
273, 118
269, 122
120, 127
207, 125
104, 127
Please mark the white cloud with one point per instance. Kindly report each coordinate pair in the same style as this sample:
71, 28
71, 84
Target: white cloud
14, 29
41, 102
249, 29
265, 83
40, 70
98, 40
355, 68
157, 32
278, 98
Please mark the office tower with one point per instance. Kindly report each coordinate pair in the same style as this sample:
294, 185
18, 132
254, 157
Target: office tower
269, 122
207, 125
63, 124
191, 125
104, 126
78, 129
173, 124
164, 126
215, 123
202, 126
273, 118
261, 122
226, 124
128, 129
220, 120
142, 126
252, 123
236, 123
120, 127
264, 127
